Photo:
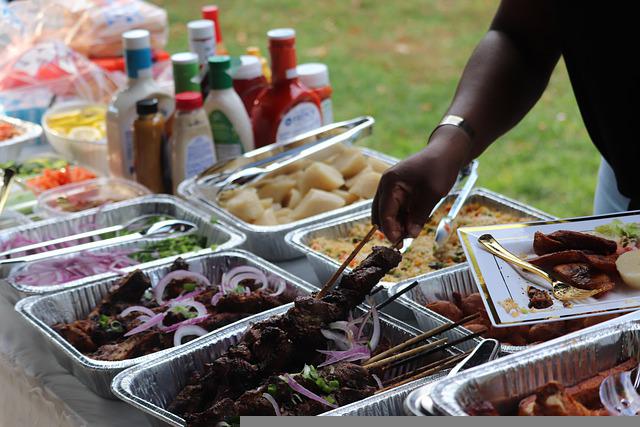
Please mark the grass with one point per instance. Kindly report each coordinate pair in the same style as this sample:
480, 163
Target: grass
400, 62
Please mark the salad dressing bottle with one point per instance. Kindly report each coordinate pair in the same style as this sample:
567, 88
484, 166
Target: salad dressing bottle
228, 117
191, 145
122, 109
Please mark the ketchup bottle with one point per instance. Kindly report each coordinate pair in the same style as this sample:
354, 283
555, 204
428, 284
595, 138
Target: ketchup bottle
287, 107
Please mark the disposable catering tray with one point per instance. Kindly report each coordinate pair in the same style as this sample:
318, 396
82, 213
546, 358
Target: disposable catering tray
66, 306
268, 241
152, 386
568, 360
220, 235
324, 266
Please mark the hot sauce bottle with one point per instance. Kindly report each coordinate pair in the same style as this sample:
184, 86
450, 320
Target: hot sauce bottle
287, 108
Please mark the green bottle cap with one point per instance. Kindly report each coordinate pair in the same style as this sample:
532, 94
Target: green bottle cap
186, 72
219, 76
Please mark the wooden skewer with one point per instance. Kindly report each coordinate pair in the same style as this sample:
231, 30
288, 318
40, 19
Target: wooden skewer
427, 367
327, 286
405, 354
421, 337
442, 347
426, 373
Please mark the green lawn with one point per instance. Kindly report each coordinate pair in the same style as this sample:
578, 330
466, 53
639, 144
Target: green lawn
400, 62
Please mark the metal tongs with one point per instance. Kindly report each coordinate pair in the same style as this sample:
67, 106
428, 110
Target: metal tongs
157, 230
276, 156
468, 175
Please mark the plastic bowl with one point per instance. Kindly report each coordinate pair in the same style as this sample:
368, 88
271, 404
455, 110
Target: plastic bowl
11, 148
86, 195
85, 153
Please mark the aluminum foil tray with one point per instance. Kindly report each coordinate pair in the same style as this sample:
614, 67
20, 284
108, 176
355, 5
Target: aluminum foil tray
66, 306
324, 266
223, 236
269, 241
151, 386
568, 360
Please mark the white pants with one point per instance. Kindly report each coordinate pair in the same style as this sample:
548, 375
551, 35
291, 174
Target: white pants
608, 199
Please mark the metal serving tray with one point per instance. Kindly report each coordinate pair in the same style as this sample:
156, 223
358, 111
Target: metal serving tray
151, 386
221, 235
568, 360
66, 306
324, 266
269, 241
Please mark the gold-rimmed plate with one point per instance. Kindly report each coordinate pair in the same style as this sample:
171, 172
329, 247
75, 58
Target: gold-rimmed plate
503, 287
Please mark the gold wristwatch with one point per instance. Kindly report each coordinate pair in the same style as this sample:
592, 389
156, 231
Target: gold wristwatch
457, 121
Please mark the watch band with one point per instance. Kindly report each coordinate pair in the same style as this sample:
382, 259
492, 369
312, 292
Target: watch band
453, 120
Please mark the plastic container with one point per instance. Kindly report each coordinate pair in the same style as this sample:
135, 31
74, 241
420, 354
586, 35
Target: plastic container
11, 218
86, 195
85, 153
316, 76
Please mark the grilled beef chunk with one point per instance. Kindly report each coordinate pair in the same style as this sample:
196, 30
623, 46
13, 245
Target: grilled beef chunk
253, 303
128, 291
179, 264
583, 276
538, 298
565, 240
606, 263
78, 334
134, 346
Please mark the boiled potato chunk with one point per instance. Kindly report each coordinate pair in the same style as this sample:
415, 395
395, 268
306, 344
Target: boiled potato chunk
284, 215
277, 189
321, 176
315, 202
246, 205
348, 197
366, 185
350, 163
378, 165
628, 265
267, 218
351, 181
292, 199
266, 203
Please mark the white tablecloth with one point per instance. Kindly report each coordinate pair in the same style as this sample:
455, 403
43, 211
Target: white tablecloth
35, 391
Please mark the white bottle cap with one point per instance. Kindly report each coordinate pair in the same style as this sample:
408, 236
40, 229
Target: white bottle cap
184, 58
136, 39
313, 75
201, 29
249, 68
281, 33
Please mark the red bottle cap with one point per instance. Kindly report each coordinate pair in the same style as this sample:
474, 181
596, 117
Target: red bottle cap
211, 13
188, 101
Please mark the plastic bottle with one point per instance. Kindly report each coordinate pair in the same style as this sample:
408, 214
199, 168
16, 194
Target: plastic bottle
122, 109
316, 76
255, 51
228, 117
148, 143
287, 108
191, 145
185, 72
248, 80
212, 13
202, 42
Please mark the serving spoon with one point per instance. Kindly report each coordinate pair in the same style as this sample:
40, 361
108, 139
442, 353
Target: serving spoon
157, 230
562, 291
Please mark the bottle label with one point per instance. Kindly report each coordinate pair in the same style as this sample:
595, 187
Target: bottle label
228, 143
199, 156
301, 118
327, 111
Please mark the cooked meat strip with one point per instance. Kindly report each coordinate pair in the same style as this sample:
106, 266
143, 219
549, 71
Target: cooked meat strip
583, 276
605, 263
538, 298
133, 346
253, 303
127, 291
179, 264
564, 240
78, 333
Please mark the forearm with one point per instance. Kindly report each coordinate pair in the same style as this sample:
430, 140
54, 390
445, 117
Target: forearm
500, 84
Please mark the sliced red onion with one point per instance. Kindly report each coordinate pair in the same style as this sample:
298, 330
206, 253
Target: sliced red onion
305, 392
273, 402
184, 331
189, 295
281, 287
356, 353
341, 342
216, 298
193, 321
158, 290
229, 275
236, 280
153, 321
202, 310
375, 336
378, 382
143, 318
138, 308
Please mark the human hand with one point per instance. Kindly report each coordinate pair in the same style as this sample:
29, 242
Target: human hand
409, 190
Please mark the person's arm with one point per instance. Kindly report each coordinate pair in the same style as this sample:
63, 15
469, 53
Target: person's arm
505, 76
